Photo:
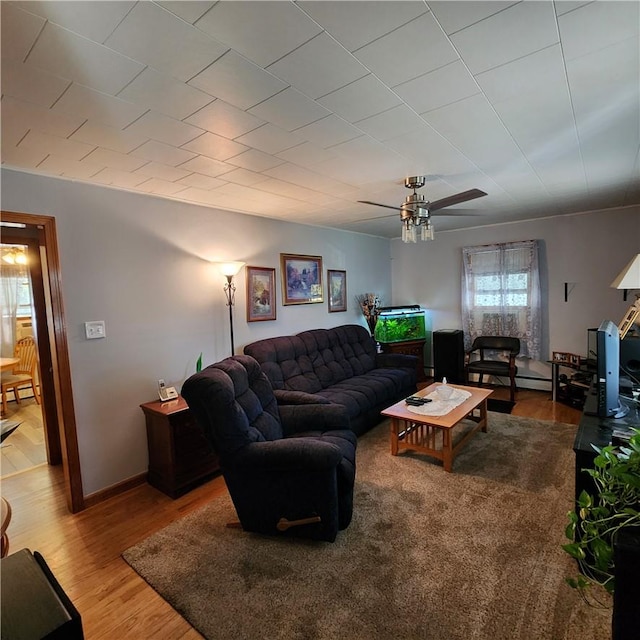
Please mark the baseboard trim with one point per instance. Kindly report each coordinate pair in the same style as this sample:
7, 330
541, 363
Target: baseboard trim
115, 490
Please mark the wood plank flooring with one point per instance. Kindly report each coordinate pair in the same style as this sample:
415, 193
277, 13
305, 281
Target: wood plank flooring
25, 447
83, 550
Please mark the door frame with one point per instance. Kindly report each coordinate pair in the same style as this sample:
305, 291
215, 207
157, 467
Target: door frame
61, 412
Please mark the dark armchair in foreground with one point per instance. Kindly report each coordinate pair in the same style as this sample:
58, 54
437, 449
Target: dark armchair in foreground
290, 469
478, 362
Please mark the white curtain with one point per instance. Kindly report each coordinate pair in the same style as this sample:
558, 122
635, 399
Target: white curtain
11, 276
501, 294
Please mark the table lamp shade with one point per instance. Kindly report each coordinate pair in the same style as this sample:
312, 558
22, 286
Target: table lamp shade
629, 277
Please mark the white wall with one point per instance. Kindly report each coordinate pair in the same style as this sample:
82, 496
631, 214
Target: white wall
144, 266
586, 250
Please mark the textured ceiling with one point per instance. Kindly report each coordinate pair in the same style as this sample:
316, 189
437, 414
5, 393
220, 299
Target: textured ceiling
297, 110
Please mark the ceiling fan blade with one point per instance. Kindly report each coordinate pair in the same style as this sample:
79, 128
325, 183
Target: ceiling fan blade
472, 194
393, 215
377, 204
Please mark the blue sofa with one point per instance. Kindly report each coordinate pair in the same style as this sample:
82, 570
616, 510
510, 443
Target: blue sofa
338, 366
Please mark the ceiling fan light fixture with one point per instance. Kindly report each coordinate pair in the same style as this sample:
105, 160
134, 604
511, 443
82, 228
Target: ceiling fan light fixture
426, 230
409, 233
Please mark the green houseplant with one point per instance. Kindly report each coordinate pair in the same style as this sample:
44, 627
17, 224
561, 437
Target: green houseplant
599, 518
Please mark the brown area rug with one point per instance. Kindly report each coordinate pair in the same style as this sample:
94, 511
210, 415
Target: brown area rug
474, 554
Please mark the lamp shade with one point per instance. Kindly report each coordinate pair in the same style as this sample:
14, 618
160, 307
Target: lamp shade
230, 268
629, 277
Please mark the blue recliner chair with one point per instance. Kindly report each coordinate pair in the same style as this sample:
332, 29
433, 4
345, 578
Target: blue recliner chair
290, 469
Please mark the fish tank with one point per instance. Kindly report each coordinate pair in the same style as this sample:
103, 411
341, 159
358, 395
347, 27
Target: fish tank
399, 324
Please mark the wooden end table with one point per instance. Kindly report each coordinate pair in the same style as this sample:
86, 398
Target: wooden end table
433, 435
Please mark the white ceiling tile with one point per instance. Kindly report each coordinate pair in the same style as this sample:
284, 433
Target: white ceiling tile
391, 123
66, 54
360, 99
270, 139
162, 172
569, 5
255, 160
598, 25
70, 168
328, 131
200, 181
19, 31
162, 93
163, 153
319, 67
298, 175
245, 177
163, 128
119, 178
115, 160
539, 72
194, 194
355, 24
239, 192
214, 146
460, 123
54, 145
93, 20
605, 84
429, 49
206, 166
161, 187
515, 32
438, 88
454, 16
25, 115
21, 158
260, 31
287, 190
189, 10
430, 153
306, 154
161, 40
224, 119
108, 137
237, 81
31, 84
289, 110
93, 105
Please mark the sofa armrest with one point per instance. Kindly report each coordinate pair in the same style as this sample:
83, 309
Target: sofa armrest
287, 396
396, 361
291, 454
312, 417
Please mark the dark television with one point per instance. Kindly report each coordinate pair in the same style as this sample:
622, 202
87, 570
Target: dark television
608, 370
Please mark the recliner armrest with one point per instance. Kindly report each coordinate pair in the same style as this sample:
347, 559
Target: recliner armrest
310, 417
287, 396
396, 361
291, 454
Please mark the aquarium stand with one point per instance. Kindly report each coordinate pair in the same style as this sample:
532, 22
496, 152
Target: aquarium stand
411, 348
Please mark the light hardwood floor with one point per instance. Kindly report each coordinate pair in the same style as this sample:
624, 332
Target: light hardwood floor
25, 447
83, 550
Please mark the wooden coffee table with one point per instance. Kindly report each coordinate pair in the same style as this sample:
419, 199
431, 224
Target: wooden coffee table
434, 435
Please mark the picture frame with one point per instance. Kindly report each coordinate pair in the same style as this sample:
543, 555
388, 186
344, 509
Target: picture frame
337, 290
301, 279
261, 293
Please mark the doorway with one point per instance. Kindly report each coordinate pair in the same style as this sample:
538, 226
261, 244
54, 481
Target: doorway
38, 234
22, 420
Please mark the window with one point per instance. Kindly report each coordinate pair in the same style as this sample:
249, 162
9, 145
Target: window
501, 293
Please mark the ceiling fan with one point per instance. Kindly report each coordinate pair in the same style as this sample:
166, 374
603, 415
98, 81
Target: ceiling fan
416, 210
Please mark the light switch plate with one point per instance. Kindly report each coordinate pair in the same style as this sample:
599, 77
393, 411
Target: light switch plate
95, 329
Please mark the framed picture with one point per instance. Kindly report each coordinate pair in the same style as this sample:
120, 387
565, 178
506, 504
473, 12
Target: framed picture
337, 288
261, 294
301, 279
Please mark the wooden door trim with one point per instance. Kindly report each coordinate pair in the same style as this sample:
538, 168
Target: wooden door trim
59, 356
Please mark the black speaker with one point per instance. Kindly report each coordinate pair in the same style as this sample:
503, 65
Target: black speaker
448, 355
630, 356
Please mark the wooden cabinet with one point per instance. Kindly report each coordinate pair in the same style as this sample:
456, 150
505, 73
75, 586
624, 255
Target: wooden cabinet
410, 348
180, 456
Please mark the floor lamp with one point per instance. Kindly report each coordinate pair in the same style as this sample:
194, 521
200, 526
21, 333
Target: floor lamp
230, 269
629, 278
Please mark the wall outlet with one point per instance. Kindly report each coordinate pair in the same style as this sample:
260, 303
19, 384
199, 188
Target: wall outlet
95, 329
